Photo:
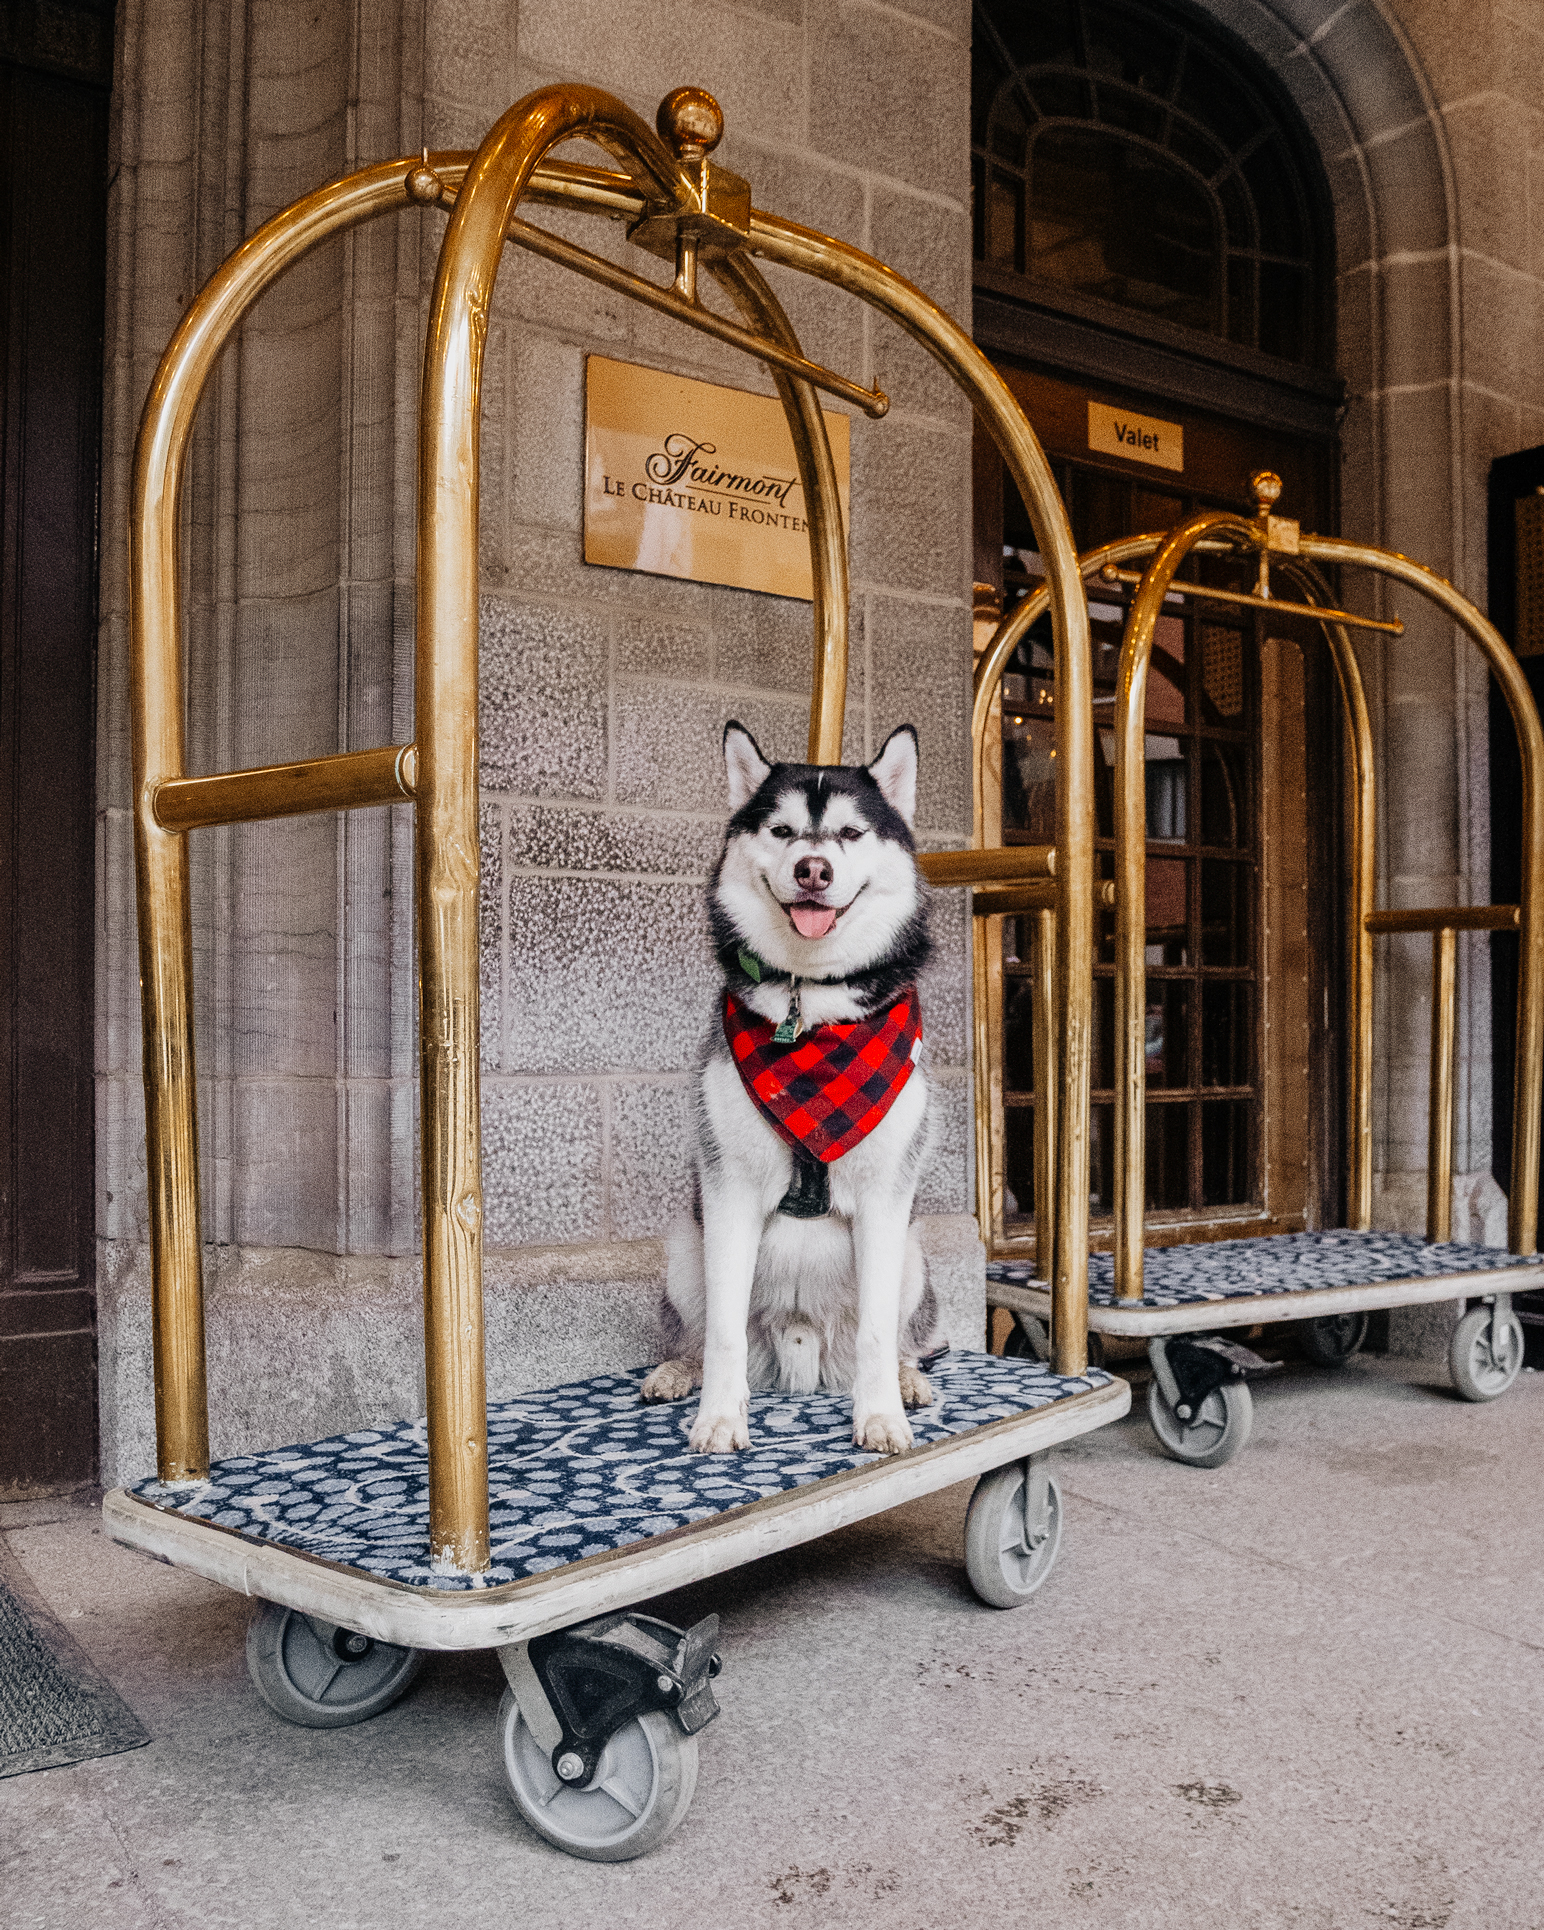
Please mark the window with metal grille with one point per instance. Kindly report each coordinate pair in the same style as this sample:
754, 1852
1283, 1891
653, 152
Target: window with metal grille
1121, 154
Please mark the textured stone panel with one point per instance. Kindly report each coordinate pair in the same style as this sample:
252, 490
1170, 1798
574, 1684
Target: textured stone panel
944, 1006
1503, 314
921, 673
651, 1140
606, 976
282, 936
955, 1261
1416, 308
490, 934
930, 245
542, 694
380, 1165
1418, 514
547, 432
755, 64
286, 695
945, 1182
543, 1335
1380, 89
669, 739
1486, 136
470, 53
542, 294
911, 493
550, 563
123, 1202
1408, 189
541, 1163
656, 646
627, 841
899, 114
764, 642
284, 1179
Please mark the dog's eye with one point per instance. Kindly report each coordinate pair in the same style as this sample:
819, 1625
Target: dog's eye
782, 831
849, 833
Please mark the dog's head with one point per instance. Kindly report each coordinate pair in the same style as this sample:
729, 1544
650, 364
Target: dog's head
819, 876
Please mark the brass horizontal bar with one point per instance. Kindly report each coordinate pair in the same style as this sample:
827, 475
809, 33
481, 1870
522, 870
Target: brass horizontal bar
997, 901
1447, 918
350, 782
593, 188
569, 184
1394, 627
873, 402
988, 867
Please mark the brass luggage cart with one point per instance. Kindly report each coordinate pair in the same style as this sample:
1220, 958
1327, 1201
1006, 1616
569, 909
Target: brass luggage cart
1178, 1297
371, 1548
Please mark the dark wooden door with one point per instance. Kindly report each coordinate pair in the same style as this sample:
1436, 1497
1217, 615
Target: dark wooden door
53, 149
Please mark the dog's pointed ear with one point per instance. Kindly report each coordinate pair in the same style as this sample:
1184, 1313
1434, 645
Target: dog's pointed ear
895, 772
744, 765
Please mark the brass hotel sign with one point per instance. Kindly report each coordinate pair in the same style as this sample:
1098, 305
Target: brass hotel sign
688, 479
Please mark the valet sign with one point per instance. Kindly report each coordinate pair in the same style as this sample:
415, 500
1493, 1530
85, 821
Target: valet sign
690, 480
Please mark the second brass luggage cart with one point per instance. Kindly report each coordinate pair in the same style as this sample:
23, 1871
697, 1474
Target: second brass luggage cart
1178, 1298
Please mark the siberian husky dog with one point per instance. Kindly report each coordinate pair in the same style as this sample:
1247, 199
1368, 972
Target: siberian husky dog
800, 1269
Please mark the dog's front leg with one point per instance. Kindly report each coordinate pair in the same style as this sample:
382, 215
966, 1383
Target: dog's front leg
731, 1236
879, 1241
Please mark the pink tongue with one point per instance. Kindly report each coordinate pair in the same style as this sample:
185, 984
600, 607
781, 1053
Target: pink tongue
812, 921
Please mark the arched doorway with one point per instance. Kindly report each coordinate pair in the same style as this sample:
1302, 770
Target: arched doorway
1154, 276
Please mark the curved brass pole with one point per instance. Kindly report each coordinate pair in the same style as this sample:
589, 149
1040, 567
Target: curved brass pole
157, 713
883, 289
1523, 1205
1131, 881
445, 700
1361, 890
985, 933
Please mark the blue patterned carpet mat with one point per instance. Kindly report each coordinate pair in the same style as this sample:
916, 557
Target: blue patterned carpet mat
1185, 1276
576, 1471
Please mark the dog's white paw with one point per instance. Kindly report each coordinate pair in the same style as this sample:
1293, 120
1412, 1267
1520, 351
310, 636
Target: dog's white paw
881, 1433
916, 1388
719, 1434
672, 1380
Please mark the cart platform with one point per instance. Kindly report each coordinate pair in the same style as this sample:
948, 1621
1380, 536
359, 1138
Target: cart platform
1284, 1276
595, 1499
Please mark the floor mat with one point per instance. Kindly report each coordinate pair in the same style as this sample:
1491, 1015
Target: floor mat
1180, 1276
54, 1707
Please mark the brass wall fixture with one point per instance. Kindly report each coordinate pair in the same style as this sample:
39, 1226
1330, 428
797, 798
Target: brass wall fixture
678, 205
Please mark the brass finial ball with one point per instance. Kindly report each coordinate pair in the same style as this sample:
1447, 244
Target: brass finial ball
424, 185
690, 122
1265, 487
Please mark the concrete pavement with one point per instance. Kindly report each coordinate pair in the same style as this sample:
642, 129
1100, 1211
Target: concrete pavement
1305, 1690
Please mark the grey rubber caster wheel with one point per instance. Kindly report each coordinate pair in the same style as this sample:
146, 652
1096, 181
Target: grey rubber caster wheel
1332, 1341
1214, 1436
1006, 1560
641, 1788
1484, 1367
320, 1676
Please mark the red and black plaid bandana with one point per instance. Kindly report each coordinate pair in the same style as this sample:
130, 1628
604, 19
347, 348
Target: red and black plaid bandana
833, 1085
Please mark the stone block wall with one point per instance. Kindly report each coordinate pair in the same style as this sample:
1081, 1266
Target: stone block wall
603, 693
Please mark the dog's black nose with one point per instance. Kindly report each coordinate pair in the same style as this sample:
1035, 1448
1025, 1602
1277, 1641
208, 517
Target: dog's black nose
812, 874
